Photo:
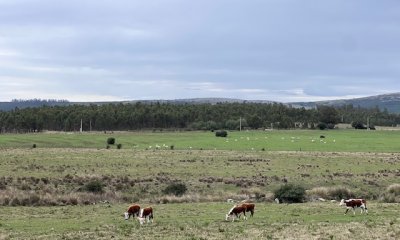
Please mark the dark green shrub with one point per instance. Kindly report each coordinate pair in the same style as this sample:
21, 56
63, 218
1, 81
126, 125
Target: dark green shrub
221, 133
290, 193
358, 125
73, 201
172, 147
111, 141
34, 200
94, 186
34, 145
15, 202
119, 145
322, 126
177, 189
330, 126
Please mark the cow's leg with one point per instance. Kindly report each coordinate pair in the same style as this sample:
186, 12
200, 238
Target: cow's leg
347, 209
244, 216
233, 216
354, 211
364, 208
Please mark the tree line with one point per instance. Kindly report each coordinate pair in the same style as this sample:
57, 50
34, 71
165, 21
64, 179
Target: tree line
144, 116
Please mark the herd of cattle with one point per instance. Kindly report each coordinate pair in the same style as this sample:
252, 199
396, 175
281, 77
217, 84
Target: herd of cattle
146, 214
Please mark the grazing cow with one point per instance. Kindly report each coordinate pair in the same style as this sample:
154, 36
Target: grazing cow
249, 208
145, 214
133, 211
235, 213
353, 204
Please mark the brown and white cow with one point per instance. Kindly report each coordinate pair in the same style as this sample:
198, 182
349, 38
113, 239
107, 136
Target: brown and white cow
353, 204
145, 214
235, 212
249, 208
133, 211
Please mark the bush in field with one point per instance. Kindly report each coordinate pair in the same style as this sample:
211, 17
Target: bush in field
341, 193
290, 193
34, 145
15, 202
221, 133
177, 189
322, 126
94, 186
358, 125
318, 192
392, 194
336, 193
330, 126
394, 189
119, 146
111, 141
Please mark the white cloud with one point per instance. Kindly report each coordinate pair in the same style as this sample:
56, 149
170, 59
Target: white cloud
8, 53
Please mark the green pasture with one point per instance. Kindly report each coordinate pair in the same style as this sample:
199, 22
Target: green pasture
201, 221
245, 163
279, 140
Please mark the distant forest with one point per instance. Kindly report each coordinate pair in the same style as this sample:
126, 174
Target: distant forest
21, 103
167, 116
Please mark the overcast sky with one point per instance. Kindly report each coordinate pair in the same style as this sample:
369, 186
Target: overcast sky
281, 50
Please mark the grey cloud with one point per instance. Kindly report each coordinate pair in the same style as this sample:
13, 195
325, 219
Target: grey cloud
169, 48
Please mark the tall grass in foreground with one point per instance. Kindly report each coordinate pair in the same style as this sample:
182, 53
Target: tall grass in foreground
201, 221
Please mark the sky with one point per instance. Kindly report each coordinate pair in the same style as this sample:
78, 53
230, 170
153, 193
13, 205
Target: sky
278, 50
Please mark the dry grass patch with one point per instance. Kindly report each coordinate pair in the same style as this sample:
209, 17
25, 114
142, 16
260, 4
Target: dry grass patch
392, 194
331, 193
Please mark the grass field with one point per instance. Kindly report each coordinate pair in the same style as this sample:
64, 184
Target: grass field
244, 165
291, 140
201, 221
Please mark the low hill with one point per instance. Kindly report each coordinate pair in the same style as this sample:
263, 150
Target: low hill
390, 102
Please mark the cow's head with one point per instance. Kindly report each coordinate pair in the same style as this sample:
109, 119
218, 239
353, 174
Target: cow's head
341, 202
230, 213
127, 215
